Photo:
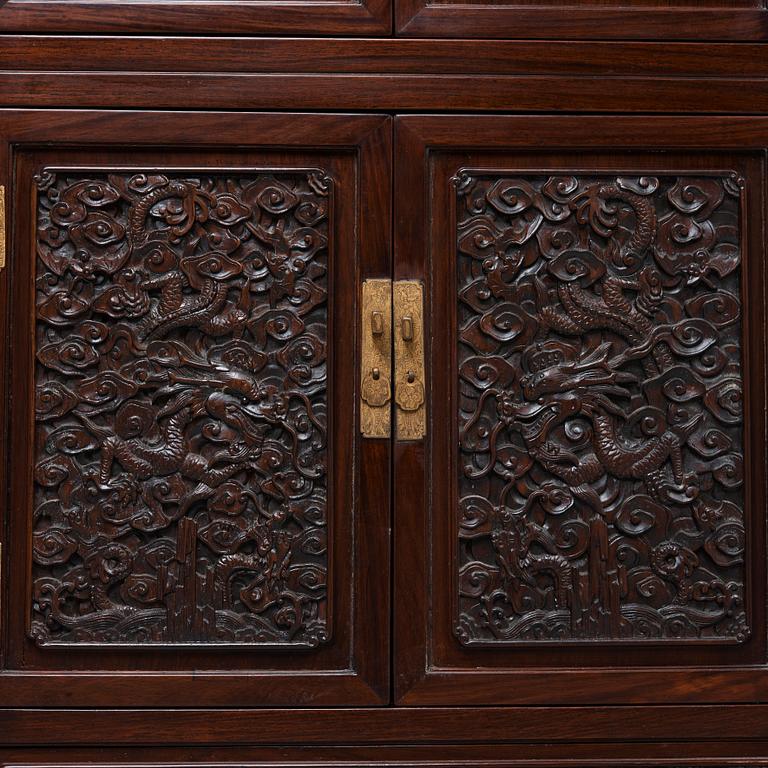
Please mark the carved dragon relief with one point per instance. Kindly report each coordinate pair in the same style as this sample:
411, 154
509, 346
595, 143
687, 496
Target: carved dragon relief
181, 408
600, 414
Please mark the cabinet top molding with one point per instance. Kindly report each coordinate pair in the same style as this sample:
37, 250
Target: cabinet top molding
392, 75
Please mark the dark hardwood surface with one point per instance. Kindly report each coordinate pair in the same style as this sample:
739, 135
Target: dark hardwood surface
431, 756
353, 667
167, 54
249, 17
430, 668
598, 20
382, 75
628, 755
692, 729
742, 20
393, 93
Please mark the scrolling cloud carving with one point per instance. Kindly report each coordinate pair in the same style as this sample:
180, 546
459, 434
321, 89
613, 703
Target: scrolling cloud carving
181, 399
600, 409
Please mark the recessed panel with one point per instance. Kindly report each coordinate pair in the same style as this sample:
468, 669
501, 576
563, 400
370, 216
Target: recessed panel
179, 17
181, 400
600, 465
684, 20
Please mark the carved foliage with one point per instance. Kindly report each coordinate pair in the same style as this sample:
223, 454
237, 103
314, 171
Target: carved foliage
180, 477
600, 416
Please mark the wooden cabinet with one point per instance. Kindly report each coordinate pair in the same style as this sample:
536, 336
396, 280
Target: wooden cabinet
388, 400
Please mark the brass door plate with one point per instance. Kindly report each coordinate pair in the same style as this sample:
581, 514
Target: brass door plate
376, 359
410, 394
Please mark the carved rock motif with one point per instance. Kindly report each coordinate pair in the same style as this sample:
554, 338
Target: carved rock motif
181, 408
600, 416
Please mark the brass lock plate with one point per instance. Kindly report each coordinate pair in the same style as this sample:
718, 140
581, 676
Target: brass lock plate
409, 360
376, 359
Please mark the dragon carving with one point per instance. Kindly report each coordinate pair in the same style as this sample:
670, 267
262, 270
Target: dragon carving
600, 425
180, 484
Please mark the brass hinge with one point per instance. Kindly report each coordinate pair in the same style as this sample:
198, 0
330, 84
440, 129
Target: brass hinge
2, 227
392, 323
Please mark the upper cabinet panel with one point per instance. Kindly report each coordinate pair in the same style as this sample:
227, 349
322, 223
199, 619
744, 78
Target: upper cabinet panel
179, 17
585, 19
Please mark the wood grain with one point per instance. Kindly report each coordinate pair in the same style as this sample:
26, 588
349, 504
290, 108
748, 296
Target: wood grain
657, 21
689, 728
166, 54
390, 92
231, 17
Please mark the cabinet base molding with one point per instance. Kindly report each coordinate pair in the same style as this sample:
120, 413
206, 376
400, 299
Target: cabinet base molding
719, 754
545, 729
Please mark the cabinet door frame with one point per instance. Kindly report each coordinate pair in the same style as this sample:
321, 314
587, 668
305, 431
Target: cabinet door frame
357, 671
421, 18
185, 17
421, 678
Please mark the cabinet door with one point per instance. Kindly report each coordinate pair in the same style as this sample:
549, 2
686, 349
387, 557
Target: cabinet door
186, 484
179, 17
584, 521
585, 19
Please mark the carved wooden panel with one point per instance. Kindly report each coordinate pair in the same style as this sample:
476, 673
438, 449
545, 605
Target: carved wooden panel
181, 401
600, 423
